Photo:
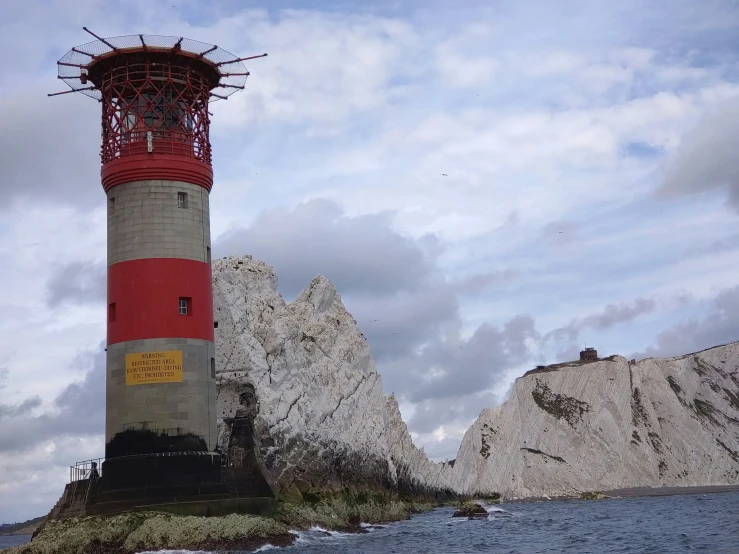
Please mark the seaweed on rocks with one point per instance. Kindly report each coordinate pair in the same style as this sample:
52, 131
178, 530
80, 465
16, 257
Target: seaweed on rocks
638, 412
732, 453
559, 405
706, 410
139, 531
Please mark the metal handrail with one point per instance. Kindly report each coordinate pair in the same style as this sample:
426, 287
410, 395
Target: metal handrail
84, 470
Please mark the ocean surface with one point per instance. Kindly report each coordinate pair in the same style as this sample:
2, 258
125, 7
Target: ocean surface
690, 523
13, 540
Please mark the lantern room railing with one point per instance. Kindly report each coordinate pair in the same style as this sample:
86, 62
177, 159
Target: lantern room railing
149, 106
154, 91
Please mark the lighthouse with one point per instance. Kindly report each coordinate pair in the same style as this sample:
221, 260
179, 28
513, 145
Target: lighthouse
157, 175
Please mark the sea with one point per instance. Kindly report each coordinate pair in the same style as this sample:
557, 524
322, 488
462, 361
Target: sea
671, 524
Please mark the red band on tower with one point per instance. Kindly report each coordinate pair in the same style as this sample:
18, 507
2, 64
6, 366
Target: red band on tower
146, 296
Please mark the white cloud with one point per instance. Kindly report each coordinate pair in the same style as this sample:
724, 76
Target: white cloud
564, 122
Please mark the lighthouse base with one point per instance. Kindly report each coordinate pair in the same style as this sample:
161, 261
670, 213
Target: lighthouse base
183, 483
166, 469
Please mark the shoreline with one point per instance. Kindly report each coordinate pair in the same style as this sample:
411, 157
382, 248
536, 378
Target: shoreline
634, 492
131, 532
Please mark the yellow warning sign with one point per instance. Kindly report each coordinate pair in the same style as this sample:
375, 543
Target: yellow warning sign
145, 368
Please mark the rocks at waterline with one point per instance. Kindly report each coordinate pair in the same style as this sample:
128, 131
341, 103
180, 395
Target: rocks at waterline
610, 424
300, 379
471, 510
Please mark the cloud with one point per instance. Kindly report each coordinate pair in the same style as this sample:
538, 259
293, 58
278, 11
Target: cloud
8, 411
323, 69
705, 160
360, 255
576, 111
78, 410
78, 282
475, 284
408, 310
612, 314
49, 150
719, 326
458, 62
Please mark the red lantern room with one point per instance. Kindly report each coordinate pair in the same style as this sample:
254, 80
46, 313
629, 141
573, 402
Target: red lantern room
155, 92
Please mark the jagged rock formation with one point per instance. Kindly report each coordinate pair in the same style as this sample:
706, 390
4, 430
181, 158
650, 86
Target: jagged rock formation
298, 385
299, 396
607, 425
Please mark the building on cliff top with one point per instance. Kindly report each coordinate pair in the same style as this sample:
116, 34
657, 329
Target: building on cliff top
589, 355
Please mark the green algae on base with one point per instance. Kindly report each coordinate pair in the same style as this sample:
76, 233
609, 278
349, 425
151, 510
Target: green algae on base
134, 532
594, 495
138, 531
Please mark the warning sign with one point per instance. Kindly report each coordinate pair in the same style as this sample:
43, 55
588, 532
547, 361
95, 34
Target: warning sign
145, 368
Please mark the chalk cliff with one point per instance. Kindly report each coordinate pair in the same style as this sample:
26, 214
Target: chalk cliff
297, 386
298, 383
607, 425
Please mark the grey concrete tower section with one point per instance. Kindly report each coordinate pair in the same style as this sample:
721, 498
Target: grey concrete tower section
146, 221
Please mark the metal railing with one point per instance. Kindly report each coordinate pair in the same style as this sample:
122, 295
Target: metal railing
87, 469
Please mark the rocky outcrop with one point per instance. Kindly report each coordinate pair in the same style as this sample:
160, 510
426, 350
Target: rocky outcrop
298, 382
299, 399
607, 425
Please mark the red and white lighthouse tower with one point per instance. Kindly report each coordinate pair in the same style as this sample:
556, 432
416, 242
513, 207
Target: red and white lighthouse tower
156, 172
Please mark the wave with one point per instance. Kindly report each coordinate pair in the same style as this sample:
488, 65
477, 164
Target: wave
305, 537
176, 552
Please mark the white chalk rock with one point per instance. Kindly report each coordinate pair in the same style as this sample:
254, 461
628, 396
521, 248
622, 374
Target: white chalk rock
321, 417
302, 373
607, 425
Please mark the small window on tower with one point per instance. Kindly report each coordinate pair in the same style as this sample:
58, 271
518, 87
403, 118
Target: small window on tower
112, 204
213, 368
207, 253
111, 312
182, 200
185, 306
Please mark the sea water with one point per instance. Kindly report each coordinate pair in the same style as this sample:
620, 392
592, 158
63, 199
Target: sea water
6, 541
691, 523
671, 524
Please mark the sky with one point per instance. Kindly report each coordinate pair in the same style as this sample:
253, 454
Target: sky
490, 185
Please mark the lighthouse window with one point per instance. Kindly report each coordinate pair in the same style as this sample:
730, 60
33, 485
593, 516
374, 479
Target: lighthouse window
111, 312
212, 368
185, 306
182, 200
112, 204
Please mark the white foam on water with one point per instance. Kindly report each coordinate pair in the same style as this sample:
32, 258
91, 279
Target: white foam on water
494, 509
266, 547
371, 526
316, 533
175, 552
